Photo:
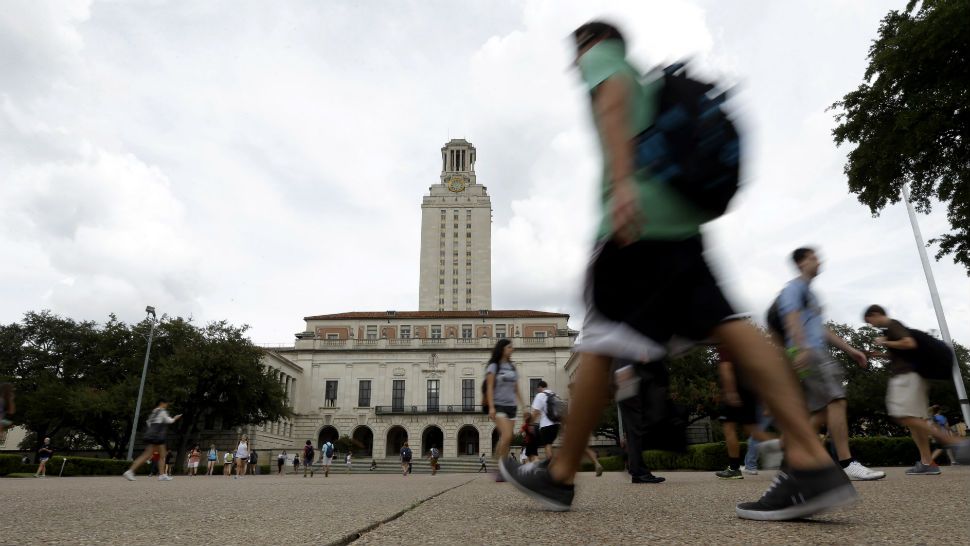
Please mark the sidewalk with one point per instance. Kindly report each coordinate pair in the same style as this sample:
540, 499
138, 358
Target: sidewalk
690, 508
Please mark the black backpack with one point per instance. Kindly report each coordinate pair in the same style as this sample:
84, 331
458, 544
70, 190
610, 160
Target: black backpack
555, 407
692, 145
932, 358
774, 320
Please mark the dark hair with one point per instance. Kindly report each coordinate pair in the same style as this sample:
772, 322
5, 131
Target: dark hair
874, 310
308, 442
161, 401
543, 384
499, 350
594, 31
800, 254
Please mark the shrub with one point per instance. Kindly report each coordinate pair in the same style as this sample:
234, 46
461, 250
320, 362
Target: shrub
870, 451
75, 466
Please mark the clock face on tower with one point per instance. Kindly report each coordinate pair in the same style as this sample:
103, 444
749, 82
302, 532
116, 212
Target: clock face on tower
456, 183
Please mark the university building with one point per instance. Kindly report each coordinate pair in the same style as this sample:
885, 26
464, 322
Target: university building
388, 376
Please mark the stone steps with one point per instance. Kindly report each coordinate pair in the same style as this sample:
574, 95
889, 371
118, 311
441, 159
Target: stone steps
420, 466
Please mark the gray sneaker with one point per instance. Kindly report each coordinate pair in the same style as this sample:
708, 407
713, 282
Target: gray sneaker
961, 452
923, 470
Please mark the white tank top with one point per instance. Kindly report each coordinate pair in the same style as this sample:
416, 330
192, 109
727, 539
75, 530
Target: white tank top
242, 451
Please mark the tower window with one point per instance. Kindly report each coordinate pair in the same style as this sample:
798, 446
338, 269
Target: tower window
468, 226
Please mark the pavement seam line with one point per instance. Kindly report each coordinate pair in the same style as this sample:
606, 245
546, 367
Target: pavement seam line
355, 535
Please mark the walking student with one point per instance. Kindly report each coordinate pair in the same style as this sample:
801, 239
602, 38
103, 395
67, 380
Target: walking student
169, 461
227, 463
280, 462
7, 408
242, 456
433, 455
296, 463
633, 413
530, 438
194, 457
739, 406
154, 438
308, 456
481, 461
349, 461
253, 463
548, 427
406, 455
328, 451
211, 457
44, 453
807, 340
501, 394
907, 395
648, 282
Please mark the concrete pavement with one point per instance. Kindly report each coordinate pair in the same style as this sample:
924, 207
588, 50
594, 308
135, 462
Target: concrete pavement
690, 508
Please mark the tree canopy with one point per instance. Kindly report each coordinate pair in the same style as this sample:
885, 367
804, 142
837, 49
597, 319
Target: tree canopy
910, 119
79, 380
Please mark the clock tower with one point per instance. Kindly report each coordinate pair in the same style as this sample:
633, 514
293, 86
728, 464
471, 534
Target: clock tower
456, 236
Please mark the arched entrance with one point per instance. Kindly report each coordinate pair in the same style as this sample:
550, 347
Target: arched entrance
363, 439
327, 434
396, 436
468, 440
431, 437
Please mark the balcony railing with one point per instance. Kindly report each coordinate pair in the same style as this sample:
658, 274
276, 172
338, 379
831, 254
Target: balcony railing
422, 410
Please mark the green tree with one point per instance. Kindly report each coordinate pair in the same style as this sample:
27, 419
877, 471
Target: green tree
910, 119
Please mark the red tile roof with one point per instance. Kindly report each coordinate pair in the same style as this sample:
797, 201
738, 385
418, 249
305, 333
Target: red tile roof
498, 313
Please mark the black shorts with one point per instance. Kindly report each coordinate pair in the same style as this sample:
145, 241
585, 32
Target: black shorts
532, 449
547, 435
745, 414
509, 411
639, 297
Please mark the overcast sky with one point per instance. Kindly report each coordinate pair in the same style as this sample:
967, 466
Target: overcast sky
264, 161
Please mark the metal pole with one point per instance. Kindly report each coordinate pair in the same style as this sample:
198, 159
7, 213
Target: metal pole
141, 390
944, 330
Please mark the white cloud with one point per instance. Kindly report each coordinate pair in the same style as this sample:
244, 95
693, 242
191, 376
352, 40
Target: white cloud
262, 163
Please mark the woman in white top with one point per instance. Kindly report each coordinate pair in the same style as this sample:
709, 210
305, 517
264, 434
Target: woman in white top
349, 461
154, 439
242, 456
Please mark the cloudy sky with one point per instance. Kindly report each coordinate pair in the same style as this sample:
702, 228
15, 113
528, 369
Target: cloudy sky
264, 161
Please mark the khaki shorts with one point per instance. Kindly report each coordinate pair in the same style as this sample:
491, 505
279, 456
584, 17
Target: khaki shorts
823, 383
907, 396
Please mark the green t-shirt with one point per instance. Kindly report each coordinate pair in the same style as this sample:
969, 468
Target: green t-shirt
666, 214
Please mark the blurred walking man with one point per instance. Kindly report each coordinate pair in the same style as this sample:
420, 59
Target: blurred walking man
647, 283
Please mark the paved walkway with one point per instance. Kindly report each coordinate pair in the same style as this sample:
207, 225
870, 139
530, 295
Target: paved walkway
691, 508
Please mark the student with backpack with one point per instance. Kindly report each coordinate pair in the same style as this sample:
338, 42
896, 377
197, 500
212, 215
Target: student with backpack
308, 456
501, 392
807, 342
328, 450
546, 411
912, 359
154, 438
406, 455
433, 455
648, 282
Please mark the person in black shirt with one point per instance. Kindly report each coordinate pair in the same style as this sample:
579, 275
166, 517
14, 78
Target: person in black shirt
907, 396
43, 455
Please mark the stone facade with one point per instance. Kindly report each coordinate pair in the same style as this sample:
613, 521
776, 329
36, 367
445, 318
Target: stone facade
381, 390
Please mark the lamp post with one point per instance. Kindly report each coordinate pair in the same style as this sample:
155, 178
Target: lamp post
141, 387
938, 307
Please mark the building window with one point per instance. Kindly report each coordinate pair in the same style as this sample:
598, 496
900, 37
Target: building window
434, 386
499, 330
441, 281
468, 234
468, 262
468, 226
442, 245
468, 281
441, 301
468, 290
330, 394
333, 336
397, 395
436, 330
466, 330
405, 332
363, 394
372, 332
454, 291
468, 253
456, 224
467, 394
468, 300
540, 333
534, 387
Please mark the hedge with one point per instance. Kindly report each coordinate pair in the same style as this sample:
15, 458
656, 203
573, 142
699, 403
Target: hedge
870, 451
75, 466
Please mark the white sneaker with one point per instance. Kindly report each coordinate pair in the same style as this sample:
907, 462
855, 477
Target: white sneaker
771, 454
129, 475
855, 471
165, 478
750, 471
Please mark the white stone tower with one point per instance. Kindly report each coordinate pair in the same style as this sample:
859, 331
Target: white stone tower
456, 236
